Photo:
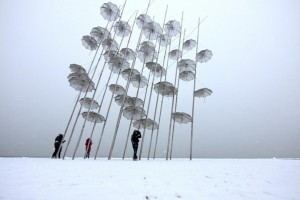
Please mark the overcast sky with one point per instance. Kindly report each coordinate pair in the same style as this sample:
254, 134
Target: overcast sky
254, 110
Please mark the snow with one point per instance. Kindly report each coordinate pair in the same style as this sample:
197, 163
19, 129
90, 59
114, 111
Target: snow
207, 179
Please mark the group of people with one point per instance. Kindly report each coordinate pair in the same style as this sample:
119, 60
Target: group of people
59, 140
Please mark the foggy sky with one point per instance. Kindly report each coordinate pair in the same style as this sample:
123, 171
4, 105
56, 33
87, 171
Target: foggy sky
254, 110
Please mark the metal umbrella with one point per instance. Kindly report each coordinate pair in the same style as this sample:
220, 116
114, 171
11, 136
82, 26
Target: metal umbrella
133, 112
204, 56
186, 76
118, 64
89, 103
139, 81
93, 117
175, 54
156, 69
100, 34
122, 28
164, 40
189, 44
110, 54
117, 89
142, 20
110, 44
172, 28
147, 54
181, 117
89, 42
129, 72
186, 65
129, 101
110, 11
81, 75
82, 85
127, 53
204, 92
145, 124
77, 68
165, 89
152, 30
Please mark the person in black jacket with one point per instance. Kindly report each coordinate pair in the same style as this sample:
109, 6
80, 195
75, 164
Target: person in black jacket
135, 142
57, 142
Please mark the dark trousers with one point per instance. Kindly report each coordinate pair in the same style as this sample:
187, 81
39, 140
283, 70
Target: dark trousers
87, 154
135, 147
54, 155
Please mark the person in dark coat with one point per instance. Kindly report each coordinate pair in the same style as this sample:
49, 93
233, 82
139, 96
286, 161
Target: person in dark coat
135, 142
88, 145
58, 141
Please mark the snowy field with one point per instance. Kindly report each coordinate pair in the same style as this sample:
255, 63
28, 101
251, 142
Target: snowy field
206, 179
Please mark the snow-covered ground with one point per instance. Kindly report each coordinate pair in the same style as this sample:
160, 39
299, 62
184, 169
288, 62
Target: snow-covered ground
206, 179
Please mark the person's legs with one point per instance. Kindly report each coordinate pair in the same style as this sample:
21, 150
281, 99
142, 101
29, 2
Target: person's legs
135, 148
59, 152
55, 151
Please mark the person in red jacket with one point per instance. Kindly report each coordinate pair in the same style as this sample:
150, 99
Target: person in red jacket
88, 145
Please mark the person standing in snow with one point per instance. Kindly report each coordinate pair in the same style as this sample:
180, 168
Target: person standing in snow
135, 142
88, 145
57, 143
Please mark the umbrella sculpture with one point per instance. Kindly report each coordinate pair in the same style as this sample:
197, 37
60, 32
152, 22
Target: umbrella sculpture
93, 117
189, 44
77, 68
111, 54
142, 20
156, 69
133, 112
117, 89
127, 53
181, 117
139, 81
122, 28
147, 43
146, 53
89, 103
89, 42
186, 65
204, 56
129, 101
172, 28
165, 88
82, 85
186, 76
152, 30
100, 34
110, 11
118, 64
164, 40
129, 72
175, 54
204, 92
110, 44
145, 124
80, 75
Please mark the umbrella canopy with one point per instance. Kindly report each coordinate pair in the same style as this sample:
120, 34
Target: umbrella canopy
189, 44
133, 112
80, 75
100, 34
93, 117
122, 28
77, 68
145, 124
147, 53
129, 101
152, 30
127, 53
111, 54
147, 43
165, 89
156, 69
204, 56
181, 117
117, 89
89, 103
110, 44
175, 54
126, 73
139, 81
186, 75
164, 40
203, 92
83, 85
142, 20
110, 11
186, 65
89, 42
172, 28
118, 64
